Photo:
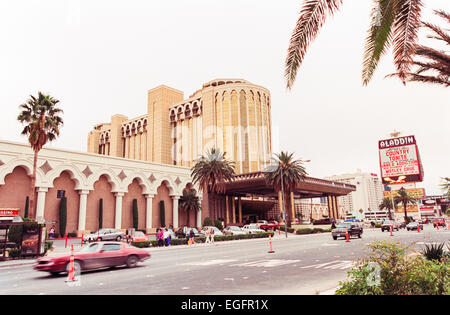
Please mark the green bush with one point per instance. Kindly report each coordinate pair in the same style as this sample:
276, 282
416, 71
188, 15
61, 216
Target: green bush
48, 246
14, 253
399, 274
289, 229
218, 224
135, 214
378, 225
72, 234
208, 222
304, 231
433, 251
141, 244
63, 215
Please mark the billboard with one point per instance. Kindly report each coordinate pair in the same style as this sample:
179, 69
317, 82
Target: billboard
399, 160
416, 193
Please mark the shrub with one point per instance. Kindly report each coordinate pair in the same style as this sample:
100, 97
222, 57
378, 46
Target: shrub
100, 213
398, 273
141, 244
72, 234
14, 253
48, 246
433, 251
208, 222
162, 213
135, 214
63, 215
218, 224
289, 229
304, 231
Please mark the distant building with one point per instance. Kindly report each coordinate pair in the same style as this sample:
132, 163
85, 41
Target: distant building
367, 197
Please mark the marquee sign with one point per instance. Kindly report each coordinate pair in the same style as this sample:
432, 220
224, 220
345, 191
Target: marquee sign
9, 212
399, 161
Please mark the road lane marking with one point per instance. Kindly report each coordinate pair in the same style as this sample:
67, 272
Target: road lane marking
209, 262
267, 263
336, 264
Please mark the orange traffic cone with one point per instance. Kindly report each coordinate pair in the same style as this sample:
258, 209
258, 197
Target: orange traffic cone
347, 237
270, 245
437, 226
418, 227
71, 269
391, 231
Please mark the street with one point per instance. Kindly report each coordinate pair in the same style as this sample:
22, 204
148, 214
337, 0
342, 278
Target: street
301, 264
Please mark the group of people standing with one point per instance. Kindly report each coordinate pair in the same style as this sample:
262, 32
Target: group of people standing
163, 236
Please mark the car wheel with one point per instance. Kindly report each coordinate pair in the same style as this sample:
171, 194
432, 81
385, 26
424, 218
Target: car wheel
335, 237
54, 273
118, 238
359, 235
99, 239
76, 267
132, 261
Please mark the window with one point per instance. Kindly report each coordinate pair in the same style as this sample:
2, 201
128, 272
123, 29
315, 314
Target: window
111, 247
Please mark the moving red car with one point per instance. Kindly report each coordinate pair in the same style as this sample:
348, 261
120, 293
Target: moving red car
439, 221
94, 256
271, 225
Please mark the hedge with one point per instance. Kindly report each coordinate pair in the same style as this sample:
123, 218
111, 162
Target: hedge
312, 231
217, 238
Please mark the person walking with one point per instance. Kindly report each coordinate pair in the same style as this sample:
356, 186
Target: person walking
51, 233
212, 235
192, 236
166, 237
208, 236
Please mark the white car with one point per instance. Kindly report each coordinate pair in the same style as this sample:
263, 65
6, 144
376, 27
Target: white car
216, 230
233, 230
252, 229
261, 222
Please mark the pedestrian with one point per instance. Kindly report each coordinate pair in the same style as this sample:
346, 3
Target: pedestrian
212, 235
51, 233
208, 239
192, 236
166, 237
160, 236
333, 226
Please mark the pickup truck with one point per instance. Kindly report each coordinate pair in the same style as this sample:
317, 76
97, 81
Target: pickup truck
271, 225
387, 224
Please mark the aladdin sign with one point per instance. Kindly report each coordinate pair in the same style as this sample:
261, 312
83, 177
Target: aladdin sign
399, 160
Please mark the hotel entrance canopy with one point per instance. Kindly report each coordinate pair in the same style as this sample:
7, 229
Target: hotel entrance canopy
254, 184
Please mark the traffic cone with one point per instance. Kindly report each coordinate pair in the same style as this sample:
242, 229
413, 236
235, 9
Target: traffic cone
71, 269
391, 231
437, 226
270, 245
418, 227
82, 235
66, 241
347, 238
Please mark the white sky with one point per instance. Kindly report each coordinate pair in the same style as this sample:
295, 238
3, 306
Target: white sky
99, 58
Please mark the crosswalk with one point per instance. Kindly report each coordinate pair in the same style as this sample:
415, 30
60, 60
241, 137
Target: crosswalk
270, 263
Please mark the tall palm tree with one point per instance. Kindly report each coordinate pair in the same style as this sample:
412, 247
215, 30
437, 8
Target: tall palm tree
432, 66
387, 204
284, 175
211, 172
189, 202
41, 120
393, 22
404, 199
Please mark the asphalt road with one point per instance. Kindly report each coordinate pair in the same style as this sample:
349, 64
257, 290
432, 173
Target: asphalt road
301, 264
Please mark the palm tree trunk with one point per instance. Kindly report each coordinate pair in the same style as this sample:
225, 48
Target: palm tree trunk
187, 217
288, 208
406, 214
32, 213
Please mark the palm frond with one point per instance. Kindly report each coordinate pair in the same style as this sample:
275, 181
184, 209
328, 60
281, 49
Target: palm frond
379, 36
406, 25
312, 16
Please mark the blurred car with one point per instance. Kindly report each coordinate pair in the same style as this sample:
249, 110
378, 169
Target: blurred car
353, 228
413, 226
324, 221
105, 235
139, 236
233, 230
94, 256
184, 231
252, 229
438, 221
216, 230
271, 225
402, 225
387, 224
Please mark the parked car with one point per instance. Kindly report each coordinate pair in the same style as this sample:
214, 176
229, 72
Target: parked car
353, 228
402, 225
94, 256
184, 231
252, 229
387, 224
216, 230
233, 230
139, 236
413, 226
105, 235
271, 225
438, 221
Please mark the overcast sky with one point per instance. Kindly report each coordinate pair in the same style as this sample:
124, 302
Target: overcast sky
99, 58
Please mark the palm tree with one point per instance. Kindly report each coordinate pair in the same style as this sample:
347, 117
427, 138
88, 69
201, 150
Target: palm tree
189, 202
405, 199
387, 204
393, 22
433, 66
212, 171
446, 185
42, 124
284, 175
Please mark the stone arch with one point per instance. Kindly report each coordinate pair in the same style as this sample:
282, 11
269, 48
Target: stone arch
15, 188
74, 172
27, 165
135, 190
112, 179
142, 180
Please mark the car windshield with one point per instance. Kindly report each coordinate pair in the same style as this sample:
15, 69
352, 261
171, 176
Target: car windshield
235, 228
90, 248
344, 226
139, 234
